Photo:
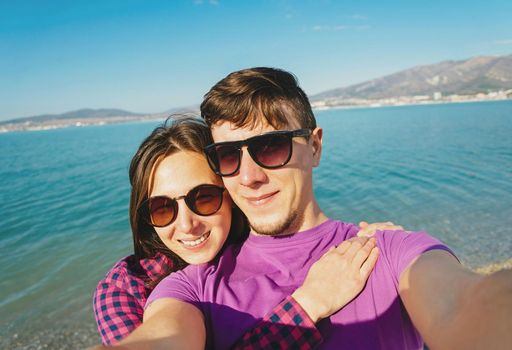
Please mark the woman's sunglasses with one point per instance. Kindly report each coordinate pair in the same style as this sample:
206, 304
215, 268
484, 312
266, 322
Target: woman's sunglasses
203, 200
271, 150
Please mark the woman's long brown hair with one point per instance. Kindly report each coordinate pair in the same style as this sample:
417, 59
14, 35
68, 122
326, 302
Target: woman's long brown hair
178, 133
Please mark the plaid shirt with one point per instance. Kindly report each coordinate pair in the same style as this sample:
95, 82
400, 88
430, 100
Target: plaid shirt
120, 297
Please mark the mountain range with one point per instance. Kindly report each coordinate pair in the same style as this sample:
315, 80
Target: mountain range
475, 75
482, 74
84, 113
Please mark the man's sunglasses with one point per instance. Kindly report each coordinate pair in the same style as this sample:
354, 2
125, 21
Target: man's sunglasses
203, 200
271, 150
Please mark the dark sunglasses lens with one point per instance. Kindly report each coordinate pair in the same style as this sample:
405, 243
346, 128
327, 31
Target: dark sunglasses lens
205, 200
162, 211
228, 159
271, 150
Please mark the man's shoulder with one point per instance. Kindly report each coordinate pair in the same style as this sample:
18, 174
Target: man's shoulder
392, 240
347, 229
399, 248
343, 230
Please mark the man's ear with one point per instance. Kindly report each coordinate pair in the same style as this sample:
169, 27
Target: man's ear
316, 143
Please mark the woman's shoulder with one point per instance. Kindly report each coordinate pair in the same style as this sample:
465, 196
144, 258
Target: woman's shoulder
132, 272
123, 274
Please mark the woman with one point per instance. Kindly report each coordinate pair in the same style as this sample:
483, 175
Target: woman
169, 233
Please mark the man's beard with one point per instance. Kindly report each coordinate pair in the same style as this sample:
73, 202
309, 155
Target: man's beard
290, 224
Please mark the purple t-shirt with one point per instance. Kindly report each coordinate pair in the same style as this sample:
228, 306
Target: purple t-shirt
247, 280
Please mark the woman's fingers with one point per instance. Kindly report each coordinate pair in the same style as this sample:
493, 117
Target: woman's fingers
344, 246
368, 230
363, 224
356, 244
355, 249
362, 254
369, 263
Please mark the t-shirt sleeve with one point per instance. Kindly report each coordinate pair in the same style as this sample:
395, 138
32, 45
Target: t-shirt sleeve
178, 285
400, 248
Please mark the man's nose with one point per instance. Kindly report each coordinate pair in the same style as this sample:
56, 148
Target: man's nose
250, 172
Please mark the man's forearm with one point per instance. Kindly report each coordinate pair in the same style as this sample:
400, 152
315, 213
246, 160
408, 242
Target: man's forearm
482, 318
486, 318
455, 308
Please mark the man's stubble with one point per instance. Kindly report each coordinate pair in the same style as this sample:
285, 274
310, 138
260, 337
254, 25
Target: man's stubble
290, 224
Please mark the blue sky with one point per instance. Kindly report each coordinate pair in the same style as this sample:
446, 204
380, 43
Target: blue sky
150, 56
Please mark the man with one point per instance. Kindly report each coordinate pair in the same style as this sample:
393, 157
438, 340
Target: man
266, 146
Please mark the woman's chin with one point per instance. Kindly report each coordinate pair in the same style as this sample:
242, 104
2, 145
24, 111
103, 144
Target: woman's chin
201, 252
199, 258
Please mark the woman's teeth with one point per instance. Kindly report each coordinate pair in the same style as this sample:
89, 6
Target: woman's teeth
198, 241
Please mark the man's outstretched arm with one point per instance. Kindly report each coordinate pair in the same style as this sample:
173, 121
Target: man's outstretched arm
455, 308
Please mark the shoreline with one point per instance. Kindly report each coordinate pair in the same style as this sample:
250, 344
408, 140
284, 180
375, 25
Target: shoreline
422, 103
493, 267
81, 123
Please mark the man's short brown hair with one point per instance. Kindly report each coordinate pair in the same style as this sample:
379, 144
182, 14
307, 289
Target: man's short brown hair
244, 96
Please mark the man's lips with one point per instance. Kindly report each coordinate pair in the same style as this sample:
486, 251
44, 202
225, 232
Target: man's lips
261, 200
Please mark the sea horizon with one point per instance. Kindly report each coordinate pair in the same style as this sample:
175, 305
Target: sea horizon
82, 123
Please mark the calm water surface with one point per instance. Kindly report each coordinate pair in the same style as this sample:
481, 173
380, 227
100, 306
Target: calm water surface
64, 194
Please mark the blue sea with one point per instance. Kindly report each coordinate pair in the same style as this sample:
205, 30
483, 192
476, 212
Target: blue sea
446, 169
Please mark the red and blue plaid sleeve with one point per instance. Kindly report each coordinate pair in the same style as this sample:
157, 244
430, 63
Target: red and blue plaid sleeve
117, 312
120, 297
287, 326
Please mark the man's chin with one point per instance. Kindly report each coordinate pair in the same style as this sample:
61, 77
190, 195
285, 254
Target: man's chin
268, 227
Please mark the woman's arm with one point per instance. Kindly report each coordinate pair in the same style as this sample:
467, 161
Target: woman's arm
119, 298
117, 310
286, 326
332, 282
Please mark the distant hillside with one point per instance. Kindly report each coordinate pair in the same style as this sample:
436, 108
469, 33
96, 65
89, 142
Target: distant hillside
475, 75
474, 79
193, 109
85, 113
